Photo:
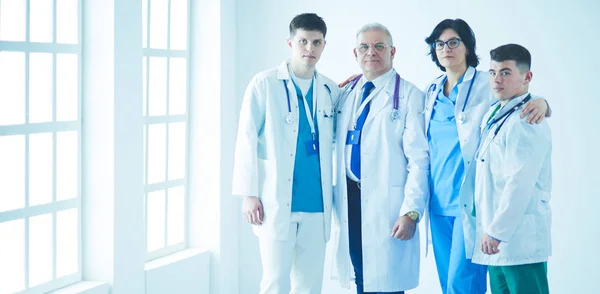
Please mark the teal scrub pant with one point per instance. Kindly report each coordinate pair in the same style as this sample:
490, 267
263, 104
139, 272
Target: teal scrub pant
457, 274
516, 279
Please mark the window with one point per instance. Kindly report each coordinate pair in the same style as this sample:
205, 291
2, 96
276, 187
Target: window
40, 128
165, 43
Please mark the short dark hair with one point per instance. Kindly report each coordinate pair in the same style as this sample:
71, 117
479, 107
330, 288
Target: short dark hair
466, 35
515, 52
308, 22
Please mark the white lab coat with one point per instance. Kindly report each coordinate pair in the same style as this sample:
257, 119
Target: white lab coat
394, 172
478, 104
512, 191
266, 147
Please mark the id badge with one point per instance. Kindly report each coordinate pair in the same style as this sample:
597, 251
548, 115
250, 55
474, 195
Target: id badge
353, 137
312, 147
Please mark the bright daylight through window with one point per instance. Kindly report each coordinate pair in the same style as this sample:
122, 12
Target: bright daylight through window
40, 133
165, 70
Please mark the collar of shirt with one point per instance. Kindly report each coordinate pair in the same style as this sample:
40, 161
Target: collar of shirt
380, 81
303, 85
454, 92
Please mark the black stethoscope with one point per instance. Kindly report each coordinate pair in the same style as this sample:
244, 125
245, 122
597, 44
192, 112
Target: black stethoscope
485, 131
289, 118
395, 114
461, 116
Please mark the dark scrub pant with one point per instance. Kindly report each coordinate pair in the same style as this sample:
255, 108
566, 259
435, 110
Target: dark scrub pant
355, 237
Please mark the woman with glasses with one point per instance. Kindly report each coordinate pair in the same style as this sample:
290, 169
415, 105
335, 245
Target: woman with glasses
455, 104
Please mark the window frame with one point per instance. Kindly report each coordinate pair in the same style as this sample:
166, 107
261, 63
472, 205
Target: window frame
26, 129
167, 119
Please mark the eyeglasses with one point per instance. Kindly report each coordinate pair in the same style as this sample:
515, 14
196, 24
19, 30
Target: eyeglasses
379, 47
452, 43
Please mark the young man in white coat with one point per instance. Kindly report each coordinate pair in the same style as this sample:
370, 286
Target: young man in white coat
513, 182
283, 162
382, 165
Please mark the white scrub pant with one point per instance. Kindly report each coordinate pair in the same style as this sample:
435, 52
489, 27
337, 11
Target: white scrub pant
300, 258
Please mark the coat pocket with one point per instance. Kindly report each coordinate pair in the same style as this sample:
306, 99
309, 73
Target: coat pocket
397, 193
267, 179
524, 241
396, 198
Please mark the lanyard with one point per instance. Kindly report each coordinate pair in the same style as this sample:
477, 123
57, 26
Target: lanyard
309, 117
361, 108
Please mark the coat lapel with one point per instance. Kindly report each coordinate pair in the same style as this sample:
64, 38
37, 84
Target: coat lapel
284, 75
383, 97
463, 89
432, 93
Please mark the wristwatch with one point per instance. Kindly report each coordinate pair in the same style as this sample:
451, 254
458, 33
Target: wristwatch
413, 215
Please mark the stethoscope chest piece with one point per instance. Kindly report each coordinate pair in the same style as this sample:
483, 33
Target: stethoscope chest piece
461, 118
394, 115
289, 118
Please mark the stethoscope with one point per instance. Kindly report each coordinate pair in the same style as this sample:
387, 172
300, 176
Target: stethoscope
485, 131
461, 118
395, 114
289, 118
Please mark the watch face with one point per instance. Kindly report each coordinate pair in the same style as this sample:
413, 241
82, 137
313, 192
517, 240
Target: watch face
413, 215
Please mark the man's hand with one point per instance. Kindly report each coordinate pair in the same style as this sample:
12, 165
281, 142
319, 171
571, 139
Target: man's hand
348, 80
252, 210
404, 228
536, 109
489, 245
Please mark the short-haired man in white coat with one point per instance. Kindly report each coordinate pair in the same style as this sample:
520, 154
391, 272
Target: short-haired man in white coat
513, 182
382, 171
283, 162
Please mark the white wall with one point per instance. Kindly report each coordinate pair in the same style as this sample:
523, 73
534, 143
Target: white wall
186, 272
213, 220
113, 239
558, 34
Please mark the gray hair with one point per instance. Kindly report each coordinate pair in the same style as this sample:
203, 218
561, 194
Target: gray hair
375, 26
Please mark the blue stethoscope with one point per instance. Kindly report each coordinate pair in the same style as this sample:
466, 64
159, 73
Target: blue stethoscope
432, 89
289, 118
395, 114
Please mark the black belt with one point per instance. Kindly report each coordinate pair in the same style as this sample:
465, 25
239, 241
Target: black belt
351, 181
